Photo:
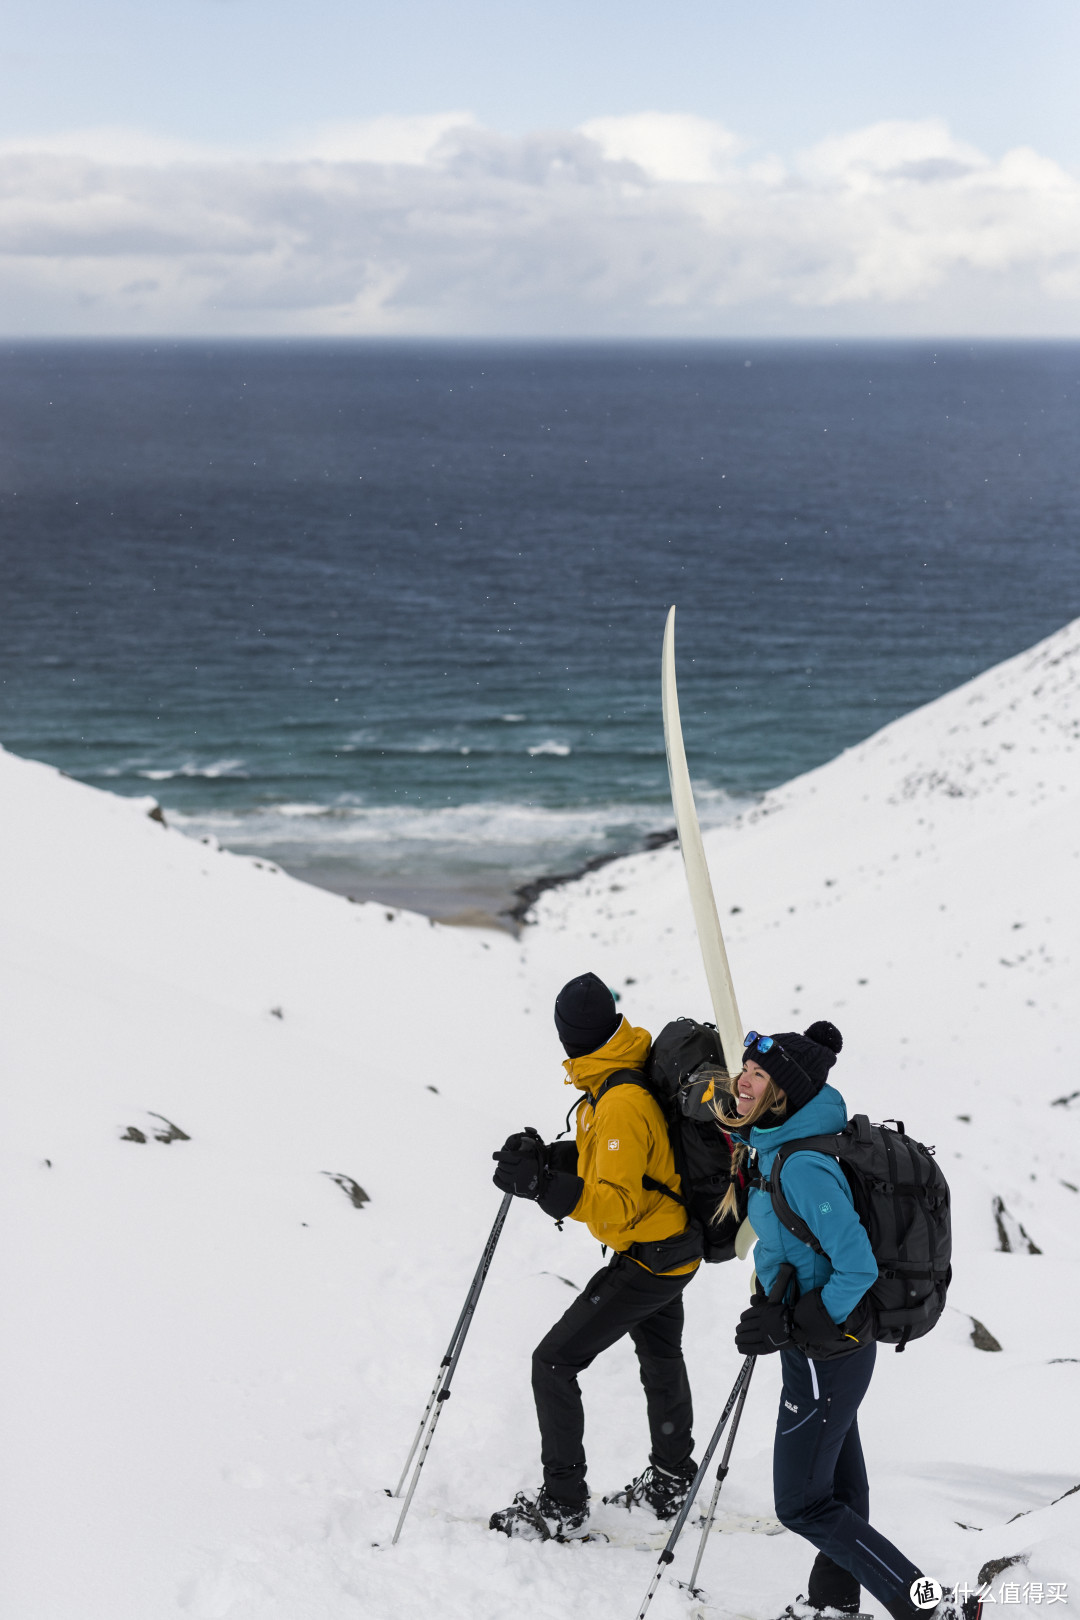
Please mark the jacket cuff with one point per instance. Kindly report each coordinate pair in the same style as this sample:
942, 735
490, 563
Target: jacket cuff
561, 1195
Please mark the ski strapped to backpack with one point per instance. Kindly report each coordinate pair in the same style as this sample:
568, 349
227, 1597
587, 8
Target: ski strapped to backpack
685, 1061
902, 1199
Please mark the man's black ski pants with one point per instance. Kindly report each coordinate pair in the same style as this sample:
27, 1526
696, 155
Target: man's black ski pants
820, 1484
622, 1298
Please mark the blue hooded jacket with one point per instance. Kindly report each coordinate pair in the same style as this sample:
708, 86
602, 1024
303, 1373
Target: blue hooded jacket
815, 1187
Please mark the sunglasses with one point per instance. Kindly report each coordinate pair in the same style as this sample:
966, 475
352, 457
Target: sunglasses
765, 1043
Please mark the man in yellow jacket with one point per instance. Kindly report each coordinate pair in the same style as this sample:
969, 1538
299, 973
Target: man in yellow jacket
618, 1176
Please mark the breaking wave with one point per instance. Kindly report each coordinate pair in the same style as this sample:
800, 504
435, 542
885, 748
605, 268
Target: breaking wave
479, 850
233, 768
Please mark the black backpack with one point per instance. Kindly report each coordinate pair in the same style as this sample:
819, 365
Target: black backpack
902, 1199
685, 1059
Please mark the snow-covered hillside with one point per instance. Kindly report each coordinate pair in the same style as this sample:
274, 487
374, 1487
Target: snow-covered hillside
214, 1358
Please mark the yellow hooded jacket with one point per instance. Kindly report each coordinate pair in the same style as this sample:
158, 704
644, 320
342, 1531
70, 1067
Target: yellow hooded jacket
621, 1139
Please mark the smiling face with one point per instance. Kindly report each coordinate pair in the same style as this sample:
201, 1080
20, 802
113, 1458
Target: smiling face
752, 1082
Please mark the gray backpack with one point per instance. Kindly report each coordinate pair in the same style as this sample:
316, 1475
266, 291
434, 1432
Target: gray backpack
902, 1199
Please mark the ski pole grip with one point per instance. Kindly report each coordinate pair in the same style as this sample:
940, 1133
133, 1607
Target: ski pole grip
779, 1287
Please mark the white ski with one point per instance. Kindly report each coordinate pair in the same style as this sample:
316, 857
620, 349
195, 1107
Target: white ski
702, 899
637, 1532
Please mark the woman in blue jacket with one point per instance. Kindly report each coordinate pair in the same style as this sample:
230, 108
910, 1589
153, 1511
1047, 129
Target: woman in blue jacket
823, 1331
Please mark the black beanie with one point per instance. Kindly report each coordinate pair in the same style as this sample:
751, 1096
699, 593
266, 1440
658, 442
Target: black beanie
585, 1015
800, 1064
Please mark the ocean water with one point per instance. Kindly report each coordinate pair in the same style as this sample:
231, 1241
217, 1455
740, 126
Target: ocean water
392, 614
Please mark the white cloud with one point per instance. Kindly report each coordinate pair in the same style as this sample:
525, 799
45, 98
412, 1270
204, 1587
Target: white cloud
650, 225
667, 146
883, 155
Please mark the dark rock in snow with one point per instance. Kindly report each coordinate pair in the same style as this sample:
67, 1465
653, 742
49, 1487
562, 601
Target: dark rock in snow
1012, 1239
997, 1566
981, 1337
348, 1185
157, 814
171, 1133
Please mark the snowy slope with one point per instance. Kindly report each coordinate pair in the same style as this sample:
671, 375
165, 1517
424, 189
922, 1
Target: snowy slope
213, 1361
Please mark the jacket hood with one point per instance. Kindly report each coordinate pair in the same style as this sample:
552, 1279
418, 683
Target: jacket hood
821, 1116
628, 1048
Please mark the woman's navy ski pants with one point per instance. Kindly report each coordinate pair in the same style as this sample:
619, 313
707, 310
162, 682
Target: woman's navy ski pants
820, 1484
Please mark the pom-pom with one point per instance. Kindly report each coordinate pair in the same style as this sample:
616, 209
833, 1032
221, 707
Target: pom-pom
825, 1034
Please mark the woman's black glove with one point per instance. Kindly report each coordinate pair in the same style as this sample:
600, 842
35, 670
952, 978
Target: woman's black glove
522, 1162
818, 1335
764, 1327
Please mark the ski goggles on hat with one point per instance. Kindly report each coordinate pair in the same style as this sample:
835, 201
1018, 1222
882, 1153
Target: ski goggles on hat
764, 1043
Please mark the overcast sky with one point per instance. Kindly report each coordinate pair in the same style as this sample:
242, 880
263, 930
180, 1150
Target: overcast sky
483, 166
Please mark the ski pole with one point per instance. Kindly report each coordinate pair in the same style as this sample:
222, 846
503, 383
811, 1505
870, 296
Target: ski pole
669, 1549
721, 1475
441, 1392
485, 1261
737, 1392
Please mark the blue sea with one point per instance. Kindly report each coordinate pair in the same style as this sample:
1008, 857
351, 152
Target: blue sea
391, 614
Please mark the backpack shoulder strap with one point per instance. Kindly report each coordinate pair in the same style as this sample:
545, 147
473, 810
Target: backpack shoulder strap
782, 1209
621, 1077
634, 1077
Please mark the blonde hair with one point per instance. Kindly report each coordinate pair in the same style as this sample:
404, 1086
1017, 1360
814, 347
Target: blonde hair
772, 1101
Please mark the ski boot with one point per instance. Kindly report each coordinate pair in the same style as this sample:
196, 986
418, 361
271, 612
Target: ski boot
929, 1600
539, 1516
803, 1609
660, 1489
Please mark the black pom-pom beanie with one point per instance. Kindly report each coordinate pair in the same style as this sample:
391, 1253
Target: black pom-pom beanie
800, 1064
585, 1015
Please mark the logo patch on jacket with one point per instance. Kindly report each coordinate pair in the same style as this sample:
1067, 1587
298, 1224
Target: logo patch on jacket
826, 1209
613, 1145
790, 1407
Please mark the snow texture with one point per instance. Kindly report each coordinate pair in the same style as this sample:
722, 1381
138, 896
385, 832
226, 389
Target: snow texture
246, 1169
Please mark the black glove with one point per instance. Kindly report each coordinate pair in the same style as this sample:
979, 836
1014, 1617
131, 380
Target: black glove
563, 1156
560, 1194
522, 1162
816, 1333
764, 1327
562, 1189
